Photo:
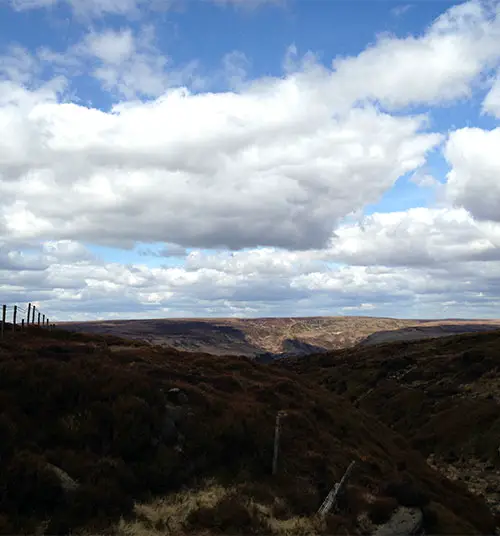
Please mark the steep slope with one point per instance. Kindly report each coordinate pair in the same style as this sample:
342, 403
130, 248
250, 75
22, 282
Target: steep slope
442, 394
430, 330
88, 426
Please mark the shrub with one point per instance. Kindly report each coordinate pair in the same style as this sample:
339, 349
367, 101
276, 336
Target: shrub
29, 486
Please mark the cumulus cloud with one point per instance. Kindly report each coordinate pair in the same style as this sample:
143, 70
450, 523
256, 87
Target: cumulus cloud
473, 182
269, 169
436, 67
418, 237
90, 289
407, 264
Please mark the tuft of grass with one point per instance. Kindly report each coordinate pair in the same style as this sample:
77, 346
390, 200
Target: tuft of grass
213, 509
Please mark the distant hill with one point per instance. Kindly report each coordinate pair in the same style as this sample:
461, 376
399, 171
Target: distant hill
268, 338
431, 330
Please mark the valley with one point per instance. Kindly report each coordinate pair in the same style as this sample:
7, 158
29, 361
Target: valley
268, 338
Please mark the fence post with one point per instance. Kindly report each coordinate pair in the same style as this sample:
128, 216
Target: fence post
33, 316
43, 321
337, 488
47, 322
277, 430
38, 319
4, 313
14, 317
28, 315
22, 324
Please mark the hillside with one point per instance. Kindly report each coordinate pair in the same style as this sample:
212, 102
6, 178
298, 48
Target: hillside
431, 330
443, 394
270, 337
109, 436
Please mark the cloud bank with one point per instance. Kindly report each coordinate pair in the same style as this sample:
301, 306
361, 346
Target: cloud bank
270, 175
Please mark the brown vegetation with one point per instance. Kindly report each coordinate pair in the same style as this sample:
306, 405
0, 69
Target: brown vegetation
442, 394
102, 411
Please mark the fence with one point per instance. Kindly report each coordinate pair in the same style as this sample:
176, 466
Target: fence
16, 317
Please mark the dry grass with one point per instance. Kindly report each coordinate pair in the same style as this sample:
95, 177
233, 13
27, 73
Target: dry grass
211, 510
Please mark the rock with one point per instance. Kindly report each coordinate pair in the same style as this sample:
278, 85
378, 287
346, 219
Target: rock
68, 484
177, 396
404, 522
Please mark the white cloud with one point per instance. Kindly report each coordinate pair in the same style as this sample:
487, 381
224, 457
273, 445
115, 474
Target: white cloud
437, 67
111, 47
266, 167
424, 180
400, 10
17, 65
129, 8
416, 238
128, 64
491, 104
371, 268
473, 182
94, 8
275, 162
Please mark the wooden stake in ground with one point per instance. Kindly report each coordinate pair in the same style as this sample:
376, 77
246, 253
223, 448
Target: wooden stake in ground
2, 326
28, 315
277, 430
14, 317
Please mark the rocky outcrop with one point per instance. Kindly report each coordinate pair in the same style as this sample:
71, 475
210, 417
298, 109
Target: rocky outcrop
404, 522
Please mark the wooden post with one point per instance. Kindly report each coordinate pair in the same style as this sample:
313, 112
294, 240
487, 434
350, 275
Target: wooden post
38, 319
337, 488
33, 315
14, 317
43, 321
22, 324
277, 431
28, 316
4, 314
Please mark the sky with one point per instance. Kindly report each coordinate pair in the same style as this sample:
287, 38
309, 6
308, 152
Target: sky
216, 158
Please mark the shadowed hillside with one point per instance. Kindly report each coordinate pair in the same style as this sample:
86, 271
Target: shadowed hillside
93, 430
268, 338
443, 394
430, 330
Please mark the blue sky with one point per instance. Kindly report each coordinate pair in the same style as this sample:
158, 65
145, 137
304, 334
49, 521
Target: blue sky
106, 162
